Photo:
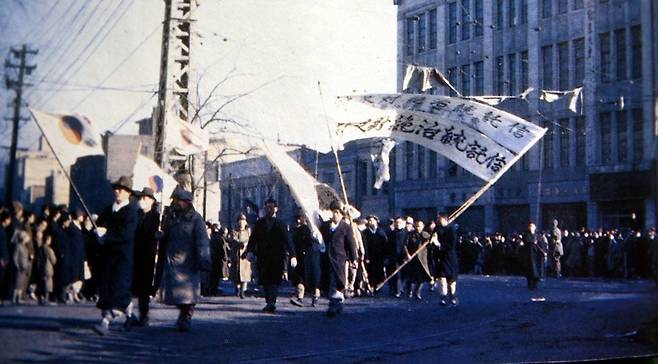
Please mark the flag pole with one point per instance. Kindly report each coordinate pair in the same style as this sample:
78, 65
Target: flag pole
66, 173
342, 185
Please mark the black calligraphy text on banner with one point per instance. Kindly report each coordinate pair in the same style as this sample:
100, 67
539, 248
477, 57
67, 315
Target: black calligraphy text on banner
510, 131
483, 140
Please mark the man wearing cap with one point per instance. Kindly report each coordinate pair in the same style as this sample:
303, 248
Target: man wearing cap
116, 231
145, 283
375, 242
341, 248
187, 254
270, 243
397, 238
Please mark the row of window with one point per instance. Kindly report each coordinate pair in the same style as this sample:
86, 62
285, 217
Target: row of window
622, 135
552, 7
560, 80
615, 44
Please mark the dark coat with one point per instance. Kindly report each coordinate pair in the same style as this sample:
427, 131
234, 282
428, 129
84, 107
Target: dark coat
62, 247
4, 245
532, 256
187, 254
375, 245
146, 247
341, 247
418, 269
78, 253
448, 265
308, 258
395, 252
115, 257
271, 244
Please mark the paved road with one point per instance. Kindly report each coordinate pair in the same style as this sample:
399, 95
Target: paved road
496, 321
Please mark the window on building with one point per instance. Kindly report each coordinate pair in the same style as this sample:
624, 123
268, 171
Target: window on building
452, 77
577, 4
432, 165
549, 149
606, 137
638, 135
466, 19
422, 33
622, 136
466, 80
511, 72
511, 13
479, 18
579, 60
523, 12
546, 8
433, 29
604, 46
479, 78
620, 44
500, 76
411, 24
362, 173
409, 154
581, 150
564, 142
563, 64
452, 23
524, 71
420, 158
636, 52
451, 168
547, 67
562, 6
499, 14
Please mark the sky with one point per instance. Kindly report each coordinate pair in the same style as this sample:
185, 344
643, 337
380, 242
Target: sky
101, 58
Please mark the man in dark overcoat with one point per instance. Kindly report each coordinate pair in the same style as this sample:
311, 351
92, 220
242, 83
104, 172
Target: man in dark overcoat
306, 276
448, 265
187, 250
395, 256
418, 271
375, 242
271, 244
116, 231
341, 248
146, 247
532, 256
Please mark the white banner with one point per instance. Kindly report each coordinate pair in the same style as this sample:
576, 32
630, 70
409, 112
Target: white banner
70, 136
302, 185
147, 173
482, 139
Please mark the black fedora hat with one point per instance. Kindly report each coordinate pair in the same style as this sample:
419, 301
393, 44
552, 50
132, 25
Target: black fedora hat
146, 192
124, 182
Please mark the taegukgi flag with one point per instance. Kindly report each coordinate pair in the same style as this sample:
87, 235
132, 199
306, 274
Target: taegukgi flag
147, 173
482, 139
70, 136
185, 138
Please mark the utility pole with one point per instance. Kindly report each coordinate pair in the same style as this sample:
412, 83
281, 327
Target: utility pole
175, 72
17, 85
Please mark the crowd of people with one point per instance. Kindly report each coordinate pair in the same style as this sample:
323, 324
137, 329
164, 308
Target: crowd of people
132, 250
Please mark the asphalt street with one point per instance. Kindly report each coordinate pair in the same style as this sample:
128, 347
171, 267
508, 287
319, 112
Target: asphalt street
495, 321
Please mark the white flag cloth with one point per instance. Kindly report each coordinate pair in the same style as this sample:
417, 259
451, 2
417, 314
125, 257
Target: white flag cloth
381, 162
301, 184
409, 75
575, 96
70, 136
483, 140
185, 138
495, 100
147, 173
425, 78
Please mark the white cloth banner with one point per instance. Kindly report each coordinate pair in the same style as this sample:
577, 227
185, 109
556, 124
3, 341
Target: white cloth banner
381, 162
69, 136
185, 138
575, 96
425, 78
301, 184
147, 173
495, 100
482, 139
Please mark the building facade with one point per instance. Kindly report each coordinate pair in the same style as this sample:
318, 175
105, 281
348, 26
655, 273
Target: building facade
594, 168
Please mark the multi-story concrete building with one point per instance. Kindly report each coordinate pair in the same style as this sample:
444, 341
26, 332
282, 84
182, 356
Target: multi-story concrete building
594, 168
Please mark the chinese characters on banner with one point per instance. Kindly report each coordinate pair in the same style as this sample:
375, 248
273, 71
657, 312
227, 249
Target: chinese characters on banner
482, 139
